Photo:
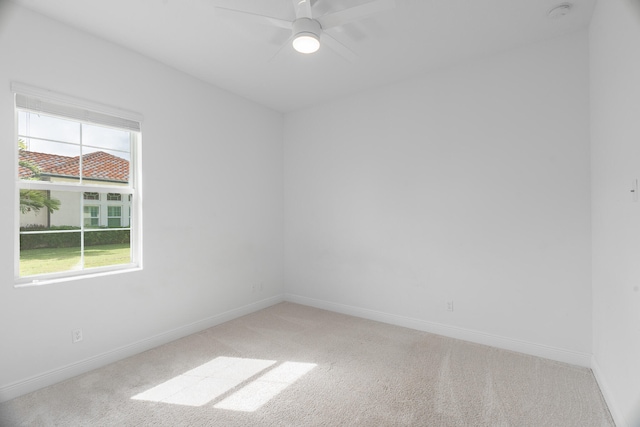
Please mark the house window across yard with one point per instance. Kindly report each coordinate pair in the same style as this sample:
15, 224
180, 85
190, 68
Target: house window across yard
92, 216
113, 216
73, 159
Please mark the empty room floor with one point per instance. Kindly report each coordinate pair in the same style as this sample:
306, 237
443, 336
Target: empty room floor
293, 365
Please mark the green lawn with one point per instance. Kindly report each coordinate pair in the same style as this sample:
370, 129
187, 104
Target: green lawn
52, 260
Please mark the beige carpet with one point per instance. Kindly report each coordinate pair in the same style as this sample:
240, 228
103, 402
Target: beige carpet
291, 365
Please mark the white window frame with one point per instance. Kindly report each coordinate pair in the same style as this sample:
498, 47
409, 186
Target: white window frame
82, 111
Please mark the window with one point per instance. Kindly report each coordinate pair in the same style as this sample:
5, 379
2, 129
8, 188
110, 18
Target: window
71, 156
91, 216
113, 216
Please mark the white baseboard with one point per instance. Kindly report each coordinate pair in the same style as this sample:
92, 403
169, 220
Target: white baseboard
540, 350
606, 393
11, 391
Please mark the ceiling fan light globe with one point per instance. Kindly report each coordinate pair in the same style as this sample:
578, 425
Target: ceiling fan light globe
306, 43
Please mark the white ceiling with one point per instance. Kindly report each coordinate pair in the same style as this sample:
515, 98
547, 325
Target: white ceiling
416, 36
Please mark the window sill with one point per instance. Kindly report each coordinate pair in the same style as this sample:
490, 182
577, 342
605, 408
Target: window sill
28, 283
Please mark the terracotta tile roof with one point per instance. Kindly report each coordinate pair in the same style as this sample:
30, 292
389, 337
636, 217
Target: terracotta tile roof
98, 165
41, 160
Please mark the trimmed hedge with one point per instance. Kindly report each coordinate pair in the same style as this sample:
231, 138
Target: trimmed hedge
70, 240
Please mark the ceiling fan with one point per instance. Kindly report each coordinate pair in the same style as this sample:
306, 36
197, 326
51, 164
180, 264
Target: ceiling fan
307, 31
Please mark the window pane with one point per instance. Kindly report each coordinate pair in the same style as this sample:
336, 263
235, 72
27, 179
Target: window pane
114, 196
106, 138
47, 127
49, 253
49, 232
47, 161
104, 167
44, 210
105, 248
91, 196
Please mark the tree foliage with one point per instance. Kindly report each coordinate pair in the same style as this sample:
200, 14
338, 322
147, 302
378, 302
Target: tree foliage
34, 200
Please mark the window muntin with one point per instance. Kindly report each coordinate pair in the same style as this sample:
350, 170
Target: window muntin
77, 163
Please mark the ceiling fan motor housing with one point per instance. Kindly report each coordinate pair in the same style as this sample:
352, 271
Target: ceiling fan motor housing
306, 26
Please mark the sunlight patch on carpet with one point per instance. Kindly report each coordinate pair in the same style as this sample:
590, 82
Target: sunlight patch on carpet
209, 381
255, 394
201, 385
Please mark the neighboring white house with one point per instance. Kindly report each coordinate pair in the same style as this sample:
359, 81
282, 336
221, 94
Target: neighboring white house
100, 209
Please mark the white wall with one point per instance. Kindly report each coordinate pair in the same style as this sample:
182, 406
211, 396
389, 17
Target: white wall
212, 172
469, 184
615, 130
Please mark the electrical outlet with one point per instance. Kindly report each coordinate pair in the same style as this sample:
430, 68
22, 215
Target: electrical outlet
450, 305
76, 335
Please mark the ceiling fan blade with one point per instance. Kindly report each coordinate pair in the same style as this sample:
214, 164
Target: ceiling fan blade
281, 48
302, 8
354, 13
254, 18
337, 47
